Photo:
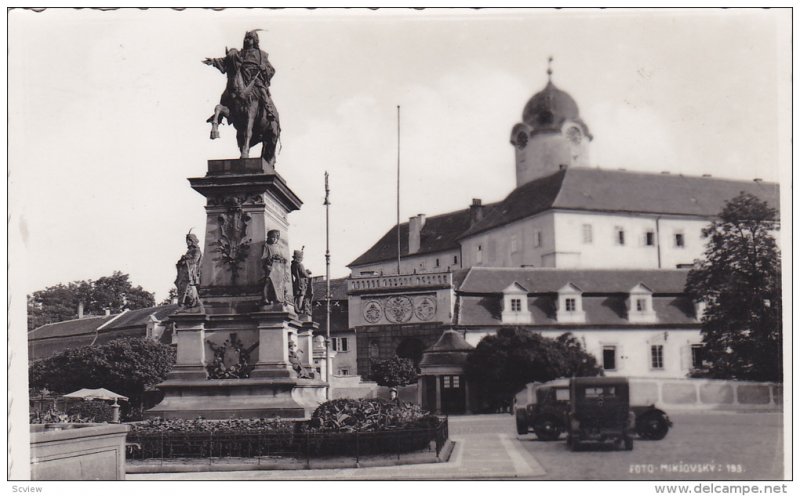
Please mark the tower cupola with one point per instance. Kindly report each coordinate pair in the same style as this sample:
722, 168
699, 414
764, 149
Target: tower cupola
551, 136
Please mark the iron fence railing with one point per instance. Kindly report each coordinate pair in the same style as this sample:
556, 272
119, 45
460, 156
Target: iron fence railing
300, 445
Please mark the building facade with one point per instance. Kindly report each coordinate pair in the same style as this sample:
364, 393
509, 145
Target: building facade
602, 254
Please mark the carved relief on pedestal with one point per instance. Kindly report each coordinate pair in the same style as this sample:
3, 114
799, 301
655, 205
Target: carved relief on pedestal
244, 199
233, 245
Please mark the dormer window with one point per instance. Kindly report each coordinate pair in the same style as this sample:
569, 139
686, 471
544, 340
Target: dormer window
570, 304
640, 305
515, 305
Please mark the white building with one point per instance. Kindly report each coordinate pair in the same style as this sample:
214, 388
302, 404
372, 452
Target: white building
602, 254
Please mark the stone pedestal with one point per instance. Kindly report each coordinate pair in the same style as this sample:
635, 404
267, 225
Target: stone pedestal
246, 198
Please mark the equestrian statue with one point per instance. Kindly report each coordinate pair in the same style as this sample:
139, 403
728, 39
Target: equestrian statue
246, 102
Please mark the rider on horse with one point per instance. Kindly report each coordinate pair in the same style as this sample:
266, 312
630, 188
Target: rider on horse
255, 69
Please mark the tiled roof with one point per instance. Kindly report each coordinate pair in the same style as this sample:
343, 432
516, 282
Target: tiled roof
492, 280
603, 310
526, 200
76, 327
440, 233
603, 190
450, 341
43, 348
338, 289
577, 188
339, 309
140, 317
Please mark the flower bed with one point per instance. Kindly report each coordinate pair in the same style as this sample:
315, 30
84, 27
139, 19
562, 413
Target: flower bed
337, 428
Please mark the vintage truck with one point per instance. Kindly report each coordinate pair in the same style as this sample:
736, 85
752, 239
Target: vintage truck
543, 408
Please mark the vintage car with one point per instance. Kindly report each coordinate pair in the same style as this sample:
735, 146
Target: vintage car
599, 412
542, 407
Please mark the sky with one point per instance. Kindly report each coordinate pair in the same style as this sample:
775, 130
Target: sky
108, 109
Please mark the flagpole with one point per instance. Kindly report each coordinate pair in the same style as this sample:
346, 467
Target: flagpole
398, 190
327, 291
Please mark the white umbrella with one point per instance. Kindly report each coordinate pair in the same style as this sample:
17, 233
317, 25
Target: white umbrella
96, 394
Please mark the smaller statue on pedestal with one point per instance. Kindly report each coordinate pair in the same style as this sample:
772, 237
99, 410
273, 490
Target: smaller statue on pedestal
297, 364
301, 284
188, 278
273, 263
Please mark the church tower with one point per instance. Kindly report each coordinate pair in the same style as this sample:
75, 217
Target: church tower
551, 136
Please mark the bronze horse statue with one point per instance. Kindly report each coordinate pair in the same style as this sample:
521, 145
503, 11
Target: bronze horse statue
247, 105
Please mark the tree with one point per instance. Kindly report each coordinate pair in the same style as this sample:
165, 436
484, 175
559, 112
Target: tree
60, 302
739, 280
127, 366
172, 295
393, 372
503, 363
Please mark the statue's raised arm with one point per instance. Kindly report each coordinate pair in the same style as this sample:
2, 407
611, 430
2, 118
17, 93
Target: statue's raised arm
246, 101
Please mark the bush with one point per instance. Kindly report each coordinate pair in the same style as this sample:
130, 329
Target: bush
93, 410
368, 415
158, 425
393, 372
56, 417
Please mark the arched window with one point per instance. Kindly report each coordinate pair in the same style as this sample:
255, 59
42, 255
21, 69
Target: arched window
374, 349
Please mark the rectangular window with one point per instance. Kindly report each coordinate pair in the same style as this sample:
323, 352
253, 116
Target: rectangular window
514, 244
516, 305
649, 238
437, 262
619, 236
455, 260
657, 356
446, 381
641, 304
587, 234
697, 356
456, 381
537, 239
609, 357
339, 344
344, 372
569, 304
679, 241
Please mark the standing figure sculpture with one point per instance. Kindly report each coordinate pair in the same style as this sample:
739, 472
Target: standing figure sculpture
274, 265
246, 102
301, 284
188, 278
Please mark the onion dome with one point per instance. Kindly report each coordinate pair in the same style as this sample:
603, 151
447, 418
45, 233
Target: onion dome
548, 109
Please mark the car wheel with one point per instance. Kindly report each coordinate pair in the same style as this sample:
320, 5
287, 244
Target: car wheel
547, 429
652, 426
522, 424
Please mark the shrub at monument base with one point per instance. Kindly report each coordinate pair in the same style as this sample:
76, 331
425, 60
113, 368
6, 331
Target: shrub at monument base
367, 415
337, 428
95, 411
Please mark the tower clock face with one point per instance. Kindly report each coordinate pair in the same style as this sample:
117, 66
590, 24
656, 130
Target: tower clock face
574, 135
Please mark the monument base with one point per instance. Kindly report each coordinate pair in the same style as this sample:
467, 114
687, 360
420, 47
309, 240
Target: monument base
220, 399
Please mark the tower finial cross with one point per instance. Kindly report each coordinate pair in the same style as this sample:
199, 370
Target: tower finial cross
549, 68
